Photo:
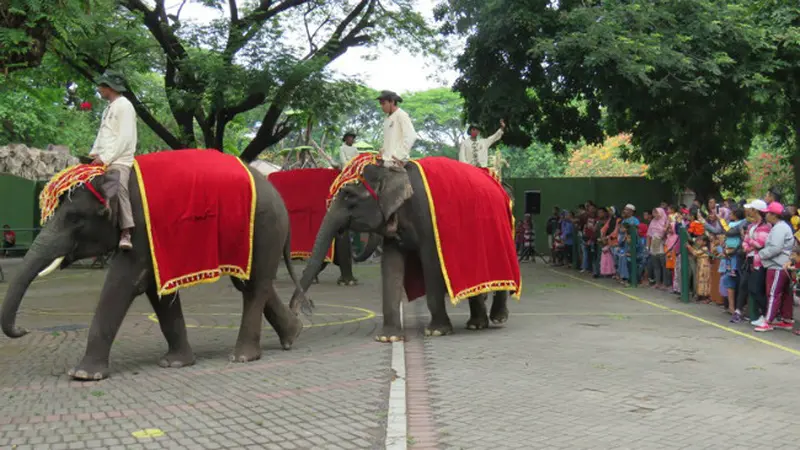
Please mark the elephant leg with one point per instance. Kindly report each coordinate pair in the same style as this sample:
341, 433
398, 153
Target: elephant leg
435, 288
286, 324
170, 318
478, 319
248, 344
392, 272
343, 253
499, 311
315, 280
119, 290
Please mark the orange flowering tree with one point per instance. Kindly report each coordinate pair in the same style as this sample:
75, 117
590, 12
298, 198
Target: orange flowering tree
768, 169
604, 160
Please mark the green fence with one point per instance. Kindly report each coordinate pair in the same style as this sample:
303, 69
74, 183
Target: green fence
567, 193
19, 208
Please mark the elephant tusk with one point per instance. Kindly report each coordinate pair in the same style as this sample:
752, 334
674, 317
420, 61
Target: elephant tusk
53, 266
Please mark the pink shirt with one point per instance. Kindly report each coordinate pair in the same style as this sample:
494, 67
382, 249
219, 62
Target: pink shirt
754, 240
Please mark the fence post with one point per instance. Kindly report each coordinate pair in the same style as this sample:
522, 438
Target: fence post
575, 251
633, 232
684, 256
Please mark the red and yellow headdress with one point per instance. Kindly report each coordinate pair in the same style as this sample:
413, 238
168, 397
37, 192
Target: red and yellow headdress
352, 172
64, 182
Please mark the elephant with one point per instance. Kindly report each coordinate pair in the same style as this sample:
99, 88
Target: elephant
342, 257
401, 218
81, 227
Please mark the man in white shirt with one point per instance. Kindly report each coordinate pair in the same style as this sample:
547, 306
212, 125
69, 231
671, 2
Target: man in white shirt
347, 151
476, 151
398, 131
115, 146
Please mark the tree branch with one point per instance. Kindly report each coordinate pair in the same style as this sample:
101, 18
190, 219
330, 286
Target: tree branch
332, 49
141, 109
234, 11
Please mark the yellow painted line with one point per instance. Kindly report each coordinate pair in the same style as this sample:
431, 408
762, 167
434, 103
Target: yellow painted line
683, 313
562, 314
367, 315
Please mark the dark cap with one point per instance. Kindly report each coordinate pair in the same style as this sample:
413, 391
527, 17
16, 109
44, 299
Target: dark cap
391, 96
477, 127
348, 133
112, 79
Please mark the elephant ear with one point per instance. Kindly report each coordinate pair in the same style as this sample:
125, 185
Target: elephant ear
393, 187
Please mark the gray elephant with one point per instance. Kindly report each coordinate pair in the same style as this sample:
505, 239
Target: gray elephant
342, 257
393, 206
80, 227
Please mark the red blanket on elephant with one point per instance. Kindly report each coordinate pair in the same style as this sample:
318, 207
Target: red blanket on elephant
304, 192
474, 228
199, 208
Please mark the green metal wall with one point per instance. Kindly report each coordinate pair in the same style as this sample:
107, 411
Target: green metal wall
19, 205
568, 193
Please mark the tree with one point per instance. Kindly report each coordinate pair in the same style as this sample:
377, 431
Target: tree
781, 20
603, 160
769, 166
505, 75
436, 114
536, 161
27, 26
682, 77
245, 60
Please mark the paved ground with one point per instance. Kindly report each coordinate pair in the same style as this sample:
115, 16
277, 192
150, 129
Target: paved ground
578, 366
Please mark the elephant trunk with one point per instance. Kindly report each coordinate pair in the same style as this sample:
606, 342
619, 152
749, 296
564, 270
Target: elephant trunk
335, 219
373, 242
46, 251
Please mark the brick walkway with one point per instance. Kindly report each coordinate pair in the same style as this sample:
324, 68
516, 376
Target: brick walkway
577, 366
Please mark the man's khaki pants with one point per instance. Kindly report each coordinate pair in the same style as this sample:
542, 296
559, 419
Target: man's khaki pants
123, 196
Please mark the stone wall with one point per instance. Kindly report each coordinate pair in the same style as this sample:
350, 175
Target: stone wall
33, 163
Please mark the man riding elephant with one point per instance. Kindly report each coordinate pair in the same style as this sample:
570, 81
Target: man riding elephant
179, 198
429, 248
115, 146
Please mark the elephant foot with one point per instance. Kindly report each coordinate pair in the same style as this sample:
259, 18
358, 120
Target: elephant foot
315, 280
89, 372
390, 334
478, 323
347, 281
438, 330
246, 355
175, 359
291, 333
499, 317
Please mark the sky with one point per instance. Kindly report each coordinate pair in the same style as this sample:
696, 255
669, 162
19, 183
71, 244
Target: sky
417, 73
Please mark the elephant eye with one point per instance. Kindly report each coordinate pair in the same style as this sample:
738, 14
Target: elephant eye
73, 217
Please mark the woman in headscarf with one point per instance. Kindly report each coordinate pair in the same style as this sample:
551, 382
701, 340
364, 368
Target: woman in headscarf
656, 234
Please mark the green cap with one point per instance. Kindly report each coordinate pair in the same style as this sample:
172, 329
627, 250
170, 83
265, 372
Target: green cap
112, 79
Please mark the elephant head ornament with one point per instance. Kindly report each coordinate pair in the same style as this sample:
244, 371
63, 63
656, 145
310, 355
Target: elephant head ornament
373, 203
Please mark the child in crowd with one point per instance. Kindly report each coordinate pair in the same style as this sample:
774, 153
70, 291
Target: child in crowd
702, 256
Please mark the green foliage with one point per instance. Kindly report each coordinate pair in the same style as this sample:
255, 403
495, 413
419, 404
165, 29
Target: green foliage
256, 56
26, 27
536, 161
688, 79
768, 165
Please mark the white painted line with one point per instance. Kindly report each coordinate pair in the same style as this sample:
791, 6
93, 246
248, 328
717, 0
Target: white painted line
396, 423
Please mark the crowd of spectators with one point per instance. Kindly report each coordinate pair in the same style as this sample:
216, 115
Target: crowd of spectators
737, 252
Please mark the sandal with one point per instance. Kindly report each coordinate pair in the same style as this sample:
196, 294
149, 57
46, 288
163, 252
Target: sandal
796, 332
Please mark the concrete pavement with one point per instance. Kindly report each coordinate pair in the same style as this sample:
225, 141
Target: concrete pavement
581, 364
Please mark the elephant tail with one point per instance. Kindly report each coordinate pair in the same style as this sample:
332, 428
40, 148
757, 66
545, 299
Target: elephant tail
306, 304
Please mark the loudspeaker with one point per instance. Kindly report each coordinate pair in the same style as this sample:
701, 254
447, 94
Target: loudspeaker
533, 202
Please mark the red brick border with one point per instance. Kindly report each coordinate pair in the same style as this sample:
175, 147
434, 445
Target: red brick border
422, 434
